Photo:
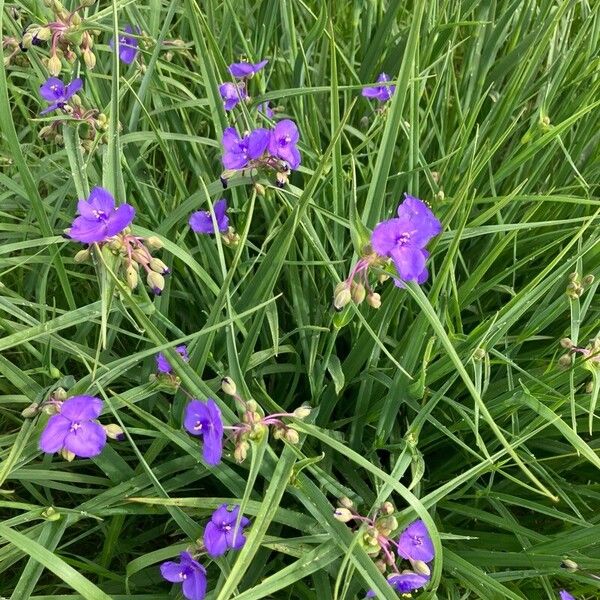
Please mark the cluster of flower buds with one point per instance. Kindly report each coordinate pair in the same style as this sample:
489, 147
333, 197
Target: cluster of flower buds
578, 284
413, 545
66, 35
591, 354
254, 425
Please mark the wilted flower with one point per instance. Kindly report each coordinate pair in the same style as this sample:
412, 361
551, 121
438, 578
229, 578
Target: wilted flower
204, 419
53, 90
415, 543
128, 44
407, 581
240, 150
232, 93
189, 572
282, 143
220, 533
99, 218
381, 92
75, 429
162, 364
246, 69
564, 595
403, 239
201, 221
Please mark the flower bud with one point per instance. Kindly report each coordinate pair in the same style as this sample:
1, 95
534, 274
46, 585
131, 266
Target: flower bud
50, 408
89, 58
566, 343
358, 293
479, 354
291, 436
153, 241
114, 432
31, 411
341, 295
364, 122
564, 362
231, 238
387, 508
569, 565
241, 451
67, 454
156, 282
588, 280
51, 514
343, 515
382, 277
421, 567
302, 411
228, 386
278, 432
82, 256
386, 525
381, 566
374, 299
345, 502
138, 254
159, 266
54, 65
75, 19
131, 277
589, 387
281, 179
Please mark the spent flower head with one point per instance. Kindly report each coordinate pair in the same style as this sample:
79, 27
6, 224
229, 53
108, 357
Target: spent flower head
189, 573
221, 534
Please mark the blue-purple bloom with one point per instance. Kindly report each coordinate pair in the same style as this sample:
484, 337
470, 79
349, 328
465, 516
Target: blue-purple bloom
415, 543
99, 218
382, 92
201, 221
282, 143
204, 419
403, 239
162, 364
74, 428
189, 572
246, 69
220, 533
238, 151
266, 110
232, 93
128, 45
53, 90
407, 581
564, 595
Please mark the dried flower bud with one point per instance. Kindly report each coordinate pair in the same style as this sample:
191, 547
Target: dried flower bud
54, 65
159, 266
281, 179
31, 411
302, 411
114, 432
588, 280
566, 343
358, 293
569, 565
564, 362
343, 515
341, 295
291, 436
387, 508
138, 254
420, 567
67, 454
82, 256
374, 299
153, 242
345, 502
241, 451
156, 282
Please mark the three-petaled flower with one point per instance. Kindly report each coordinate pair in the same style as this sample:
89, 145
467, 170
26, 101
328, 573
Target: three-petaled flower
564, 595
201, 221
99, 218
204, 419
239, 151
53, 90
403, 239
75, 429
242, 70
189, 572
415, 542
128, 44
282, 143
407, 581
381, 92
162, 364
232, 93
221, 534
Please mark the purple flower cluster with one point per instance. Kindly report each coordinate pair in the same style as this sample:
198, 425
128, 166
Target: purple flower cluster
381, 92
220, 534
234, 92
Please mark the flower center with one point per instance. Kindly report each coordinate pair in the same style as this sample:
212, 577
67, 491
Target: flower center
100, 215
403, 239
284, 141
198, 426
75, 426
417, 540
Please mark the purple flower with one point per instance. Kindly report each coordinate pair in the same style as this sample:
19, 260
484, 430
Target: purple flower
188, 572
99, 218
53, 90
239, 151
415, 543
204, 419
407, 582
232, 93
75, 429
266, 110
162, 364
381, 92
564, 595
201, 221
404, 238
220, 534
282, 143
246, 69
128, 45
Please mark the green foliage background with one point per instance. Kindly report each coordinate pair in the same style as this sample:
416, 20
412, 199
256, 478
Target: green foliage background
448, 400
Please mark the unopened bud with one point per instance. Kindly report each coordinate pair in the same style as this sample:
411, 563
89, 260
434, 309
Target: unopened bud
387, 508
588, 279
364, 123
358, 293
114, 432
346, 502
573, 276
59, 394
131, 277
50, 408
589, 387
67, 454
159, 266
228, 386
387, 524
382, 277
76, 100
156, 282
421, 567
479, 354
153, 242
341, 295
569, 565
302, 411
82, 256
89, 58
31, 411
566, 343
291, 436
374, 299
381, 566
259, 189
564, 362
241, 451
75, 19
440, 195
54, 65
281, 179
278, 433
343, 515
50, 514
